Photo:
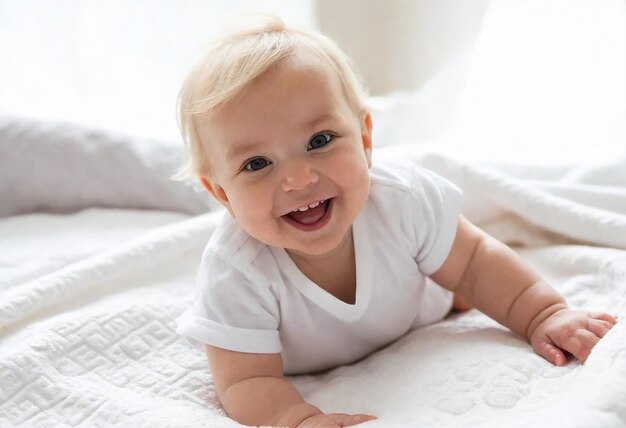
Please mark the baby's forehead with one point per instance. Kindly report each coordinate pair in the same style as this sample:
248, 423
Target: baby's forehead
295, 95
300, 74
302, 63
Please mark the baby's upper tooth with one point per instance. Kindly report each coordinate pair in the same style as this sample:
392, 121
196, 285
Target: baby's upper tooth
306, 207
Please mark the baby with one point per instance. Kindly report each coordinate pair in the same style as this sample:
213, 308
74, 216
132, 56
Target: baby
324, 257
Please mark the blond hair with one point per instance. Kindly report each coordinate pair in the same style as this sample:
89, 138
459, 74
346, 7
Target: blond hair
233, 61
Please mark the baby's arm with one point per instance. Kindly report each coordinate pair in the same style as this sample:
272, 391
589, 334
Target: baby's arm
253, 391
495, 280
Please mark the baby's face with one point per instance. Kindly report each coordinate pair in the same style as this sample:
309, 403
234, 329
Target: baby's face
290, 158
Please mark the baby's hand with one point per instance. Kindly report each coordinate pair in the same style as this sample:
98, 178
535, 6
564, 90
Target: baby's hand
334, 420
573, 331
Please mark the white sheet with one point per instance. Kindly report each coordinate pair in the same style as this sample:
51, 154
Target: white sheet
88, 337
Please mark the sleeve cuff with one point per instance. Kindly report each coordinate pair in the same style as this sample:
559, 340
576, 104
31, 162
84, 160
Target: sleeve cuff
447, 233
202, 331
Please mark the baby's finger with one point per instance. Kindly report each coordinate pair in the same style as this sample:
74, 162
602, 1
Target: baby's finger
351, 420
551, 353
599, 327
580, 344
604, 317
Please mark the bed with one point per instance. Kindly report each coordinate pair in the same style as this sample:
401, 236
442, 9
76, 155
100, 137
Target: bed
95, 267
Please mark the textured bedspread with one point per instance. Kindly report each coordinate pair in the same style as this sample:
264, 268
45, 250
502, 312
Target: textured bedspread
88, 302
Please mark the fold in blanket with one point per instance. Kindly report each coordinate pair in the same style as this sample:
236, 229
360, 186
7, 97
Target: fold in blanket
93, 342
588, 213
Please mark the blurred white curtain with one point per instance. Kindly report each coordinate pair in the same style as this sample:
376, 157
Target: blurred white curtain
546, 83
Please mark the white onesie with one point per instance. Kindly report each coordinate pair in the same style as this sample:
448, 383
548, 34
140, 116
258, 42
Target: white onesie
251, 297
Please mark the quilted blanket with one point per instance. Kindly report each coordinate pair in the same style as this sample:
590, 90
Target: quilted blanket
88, 301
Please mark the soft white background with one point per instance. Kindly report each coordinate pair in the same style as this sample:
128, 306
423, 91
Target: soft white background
521, 80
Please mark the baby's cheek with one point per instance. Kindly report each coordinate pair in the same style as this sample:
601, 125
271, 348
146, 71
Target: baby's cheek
353, 174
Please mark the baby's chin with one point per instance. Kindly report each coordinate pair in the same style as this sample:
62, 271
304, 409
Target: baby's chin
327, 247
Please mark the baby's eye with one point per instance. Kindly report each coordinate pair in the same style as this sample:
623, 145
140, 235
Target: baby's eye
256, 164
320, 140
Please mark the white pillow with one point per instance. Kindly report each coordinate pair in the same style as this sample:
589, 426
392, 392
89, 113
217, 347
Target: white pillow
55, 167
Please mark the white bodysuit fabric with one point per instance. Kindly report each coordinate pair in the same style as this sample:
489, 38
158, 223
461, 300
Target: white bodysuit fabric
251, 297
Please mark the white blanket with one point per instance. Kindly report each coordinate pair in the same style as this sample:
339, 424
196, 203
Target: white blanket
88, 302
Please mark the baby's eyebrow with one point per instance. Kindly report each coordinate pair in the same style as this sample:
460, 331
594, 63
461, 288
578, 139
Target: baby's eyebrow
318, 120
237, 150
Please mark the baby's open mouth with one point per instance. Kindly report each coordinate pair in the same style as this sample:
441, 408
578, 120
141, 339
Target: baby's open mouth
311, 213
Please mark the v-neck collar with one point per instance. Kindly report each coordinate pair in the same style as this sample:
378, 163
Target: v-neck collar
321, 297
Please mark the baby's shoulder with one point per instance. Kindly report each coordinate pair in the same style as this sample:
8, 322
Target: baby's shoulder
390, 198
394, 174
404, 177
232, 247
397, 176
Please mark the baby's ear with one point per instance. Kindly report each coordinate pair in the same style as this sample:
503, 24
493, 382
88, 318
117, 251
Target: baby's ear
366, 135
216, 191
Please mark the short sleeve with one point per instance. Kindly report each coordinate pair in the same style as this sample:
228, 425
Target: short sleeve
232, 310
436, 205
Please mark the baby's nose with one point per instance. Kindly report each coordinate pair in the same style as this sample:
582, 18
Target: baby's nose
298, 175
